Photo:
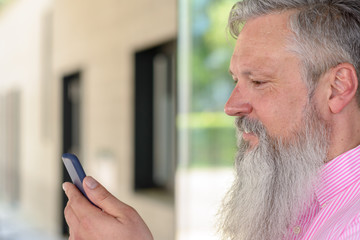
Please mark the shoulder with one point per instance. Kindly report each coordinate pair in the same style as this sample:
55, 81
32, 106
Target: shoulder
350, 219
343, 221
351, 229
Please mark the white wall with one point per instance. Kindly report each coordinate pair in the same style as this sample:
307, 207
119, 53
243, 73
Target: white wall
21, 70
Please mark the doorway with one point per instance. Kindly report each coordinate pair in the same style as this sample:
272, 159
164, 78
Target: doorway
71, 116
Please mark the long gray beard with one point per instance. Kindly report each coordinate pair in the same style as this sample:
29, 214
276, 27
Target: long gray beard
274, 181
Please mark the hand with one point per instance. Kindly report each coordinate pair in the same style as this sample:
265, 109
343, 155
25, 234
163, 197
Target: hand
115, 219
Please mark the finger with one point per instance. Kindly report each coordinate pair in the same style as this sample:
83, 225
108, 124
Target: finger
104, 199
80, 206
71, 218
78, 228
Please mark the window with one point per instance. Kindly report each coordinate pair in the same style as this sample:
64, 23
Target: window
155, 109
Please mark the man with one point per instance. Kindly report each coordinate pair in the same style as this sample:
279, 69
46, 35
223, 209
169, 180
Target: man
296, 102
295, 66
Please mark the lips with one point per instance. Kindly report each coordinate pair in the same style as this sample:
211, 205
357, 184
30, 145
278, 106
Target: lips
251, 129
246, 132
250, 138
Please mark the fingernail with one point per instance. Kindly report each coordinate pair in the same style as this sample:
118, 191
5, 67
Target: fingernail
63, 187
91, 182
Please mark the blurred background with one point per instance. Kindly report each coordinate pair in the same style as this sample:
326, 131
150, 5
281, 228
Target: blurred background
136, 89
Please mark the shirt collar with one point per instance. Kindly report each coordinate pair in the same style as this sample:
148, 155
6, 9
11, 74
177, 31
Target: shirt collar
338, 174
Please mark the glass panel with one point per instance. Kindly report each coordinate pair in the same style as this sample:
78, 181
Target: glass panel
206, 136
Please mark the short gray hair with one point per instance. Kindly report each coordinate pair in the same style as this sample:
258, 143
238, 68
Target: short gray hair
325, 32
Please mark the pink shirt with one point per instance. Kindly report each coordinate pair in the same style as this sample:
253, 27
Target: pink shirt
335, 212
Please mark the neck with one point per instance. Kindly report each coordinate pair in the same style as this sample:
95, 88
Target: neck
345, 133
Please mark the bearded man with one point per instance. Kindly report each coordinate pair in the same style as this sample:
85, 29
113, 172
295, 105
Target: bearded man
296, 102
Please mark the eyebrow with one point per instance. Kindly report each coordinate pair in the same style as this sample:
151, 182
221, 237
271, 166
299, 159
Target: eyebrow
257, 73
244, 73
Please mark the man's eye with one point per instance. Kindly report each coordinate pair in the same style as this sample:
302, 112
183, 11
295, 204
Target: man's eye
257, 83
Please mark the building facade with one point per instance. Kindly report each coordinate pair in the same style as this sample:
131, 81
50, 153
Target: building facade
67, 83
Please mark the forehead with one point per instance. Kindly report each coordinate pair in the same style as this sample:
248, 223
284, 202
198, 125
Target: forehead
262, 42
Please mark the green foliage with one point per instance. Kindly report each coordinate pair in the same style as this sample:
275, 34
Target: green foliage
211, 52
205, 120
212, 135
2, 2
212, 147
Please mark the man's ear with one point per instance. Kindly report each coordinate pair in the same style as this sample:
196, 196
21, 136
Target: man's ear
344, 83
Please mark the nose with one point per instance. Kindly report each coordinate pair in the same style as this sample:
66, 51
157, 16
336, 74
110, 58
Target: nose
237, 104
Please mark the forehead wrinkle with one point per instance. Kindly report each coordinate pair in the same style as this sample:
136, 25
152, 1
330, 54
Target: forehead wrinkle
257, 47
253, 67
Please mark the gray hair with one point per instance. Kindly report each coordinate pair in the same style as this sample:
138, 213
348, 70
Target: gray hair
325, 32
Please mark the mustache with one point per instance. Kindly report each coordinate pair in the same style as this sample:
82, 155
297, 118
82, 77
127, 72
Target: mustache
248, 125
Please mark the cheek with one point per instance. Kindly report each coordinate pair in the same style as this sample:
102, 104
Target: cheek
321, 104
281, 117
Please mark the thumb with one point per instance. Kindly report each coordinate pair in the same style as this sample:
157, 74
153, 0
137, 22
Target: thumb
102, 198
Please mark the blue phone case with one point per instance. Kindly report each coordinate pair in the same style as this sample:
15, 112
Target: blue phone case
75, 170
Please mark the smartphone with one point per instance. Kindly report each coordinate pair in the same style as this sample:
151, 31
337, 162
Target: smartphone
75, 170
